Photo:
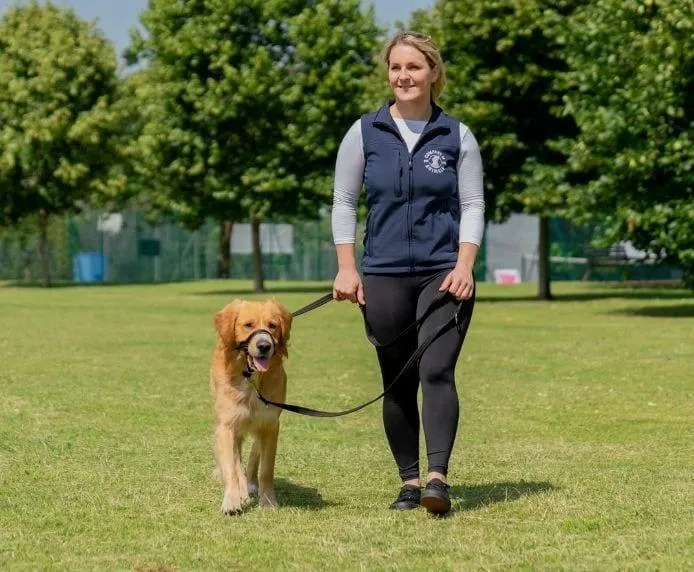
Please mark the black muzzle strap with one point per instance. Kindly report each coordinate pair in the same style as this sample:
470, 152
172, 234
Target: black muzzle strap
243, 346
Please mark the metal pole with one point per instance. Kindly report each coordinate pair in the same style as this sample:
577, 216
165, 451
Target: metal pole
196, 255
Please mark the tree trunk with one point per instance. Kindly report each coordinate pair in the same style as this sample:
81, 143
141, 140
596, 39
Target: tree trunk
258, 280
544, 292
26, 259
43, 249
224, 256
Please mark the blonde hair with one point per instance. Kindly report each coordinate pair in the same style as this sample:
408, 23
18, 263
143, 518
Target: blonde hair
429, 49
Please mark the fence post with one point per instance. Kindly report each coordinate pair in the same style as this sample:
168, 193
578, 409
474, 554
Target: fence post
157, 259
196, 255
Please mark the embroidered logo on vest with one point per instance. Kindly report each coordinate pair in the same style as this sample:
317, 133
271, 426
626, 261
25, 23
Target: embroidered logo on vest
435, 161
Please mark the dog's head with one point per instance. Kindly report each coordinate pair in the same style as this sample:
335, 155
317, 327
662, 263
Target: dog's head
264, 326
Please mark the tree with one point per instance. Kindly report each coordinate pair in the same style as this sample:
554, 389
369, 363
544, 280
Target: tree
57, 86
502, 57
21, 236
248, 101
630, 90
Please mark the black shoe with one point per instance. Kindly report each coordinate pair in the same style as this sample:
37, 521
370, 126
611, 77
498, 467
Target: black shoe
435, 497
408, 498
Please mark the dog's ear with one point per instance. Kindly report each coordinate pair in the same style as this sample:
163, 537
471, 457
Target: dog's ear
225, 323
285, 325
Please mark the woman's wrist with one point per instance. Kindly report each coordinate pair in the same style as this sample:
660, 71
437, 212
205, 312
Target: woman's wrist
346, 261
467, 253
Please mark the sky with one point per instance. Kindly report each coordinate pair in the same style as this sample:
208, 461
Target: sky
117, 16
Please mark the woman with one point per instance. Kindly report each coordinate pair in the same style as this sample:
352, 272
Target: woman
423, 177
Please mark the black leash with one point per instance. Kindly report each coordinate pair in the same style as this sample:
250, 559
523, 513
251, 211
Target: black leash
461, 325
313, 305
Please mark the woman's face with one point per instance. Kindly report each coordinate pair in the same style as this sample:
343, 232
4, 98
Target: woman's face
410, 74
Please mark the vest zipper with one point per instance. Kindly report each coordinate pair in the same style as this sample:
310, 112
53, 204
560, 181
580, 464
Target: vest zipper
396, 132
409, 214
425, 136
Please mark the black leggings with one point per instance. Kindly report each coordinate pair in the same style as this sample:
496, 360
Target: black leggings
392, 304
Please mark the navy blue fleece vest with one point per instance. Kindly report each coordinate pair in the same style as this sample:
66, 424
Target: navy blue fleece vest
412, 198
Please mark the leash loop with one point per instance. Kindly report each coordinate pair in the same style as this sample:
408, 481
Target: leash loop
455, 318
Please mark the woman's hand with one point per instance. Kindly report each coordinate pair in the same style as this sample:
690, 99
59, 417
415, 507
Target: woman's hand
459, 282
348, 286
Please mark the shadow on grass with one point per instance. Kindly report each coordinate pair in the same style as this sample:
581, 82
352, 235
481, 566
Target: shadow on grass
678, 311
66, 284
269, 290
663, 293
291, 494
602, 291
473, 497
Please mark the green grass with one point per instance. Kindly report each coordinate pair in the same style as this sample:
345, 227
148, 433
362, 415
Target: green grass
574, 449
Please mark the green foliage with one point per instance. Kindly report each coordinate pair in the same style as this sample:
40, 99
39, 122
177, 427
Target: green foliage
245, 102
58, 84
502, 57
630, 90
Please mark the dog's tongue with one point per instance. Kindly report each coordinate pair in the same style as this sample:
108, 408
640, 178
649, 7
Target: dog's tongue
261, 364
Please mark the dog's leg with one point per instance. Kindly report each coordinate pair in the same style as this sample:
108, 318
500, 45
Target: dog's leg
228, 453
268, 451
253, 462
243, 481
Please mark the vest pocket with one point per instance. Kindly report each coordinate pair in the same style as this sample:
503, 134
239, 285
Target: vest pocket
368, 233
454, 231
387, 236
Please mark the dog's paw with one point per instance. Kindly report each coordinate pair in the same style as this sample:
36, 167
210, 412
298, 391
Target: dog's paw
252, 489
233, 503
267, 500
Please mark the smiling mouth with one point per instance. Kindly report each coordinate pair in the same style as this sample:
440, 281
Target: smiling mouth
260, 364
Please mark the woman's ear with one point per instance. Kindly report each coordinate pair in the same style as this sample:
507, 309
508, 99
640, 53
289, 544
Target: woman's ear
225, 323
434, 74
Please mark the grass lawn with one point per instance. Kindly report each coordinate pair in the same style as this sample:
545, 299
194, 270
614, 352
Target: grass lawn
574, 450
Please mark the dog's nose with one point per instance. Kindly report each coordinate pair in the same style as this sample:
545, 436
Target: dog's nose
264, 346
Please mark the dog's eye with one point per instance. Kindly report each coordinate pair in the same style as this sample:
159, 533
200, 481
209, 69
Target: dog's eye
248, 325
272, 325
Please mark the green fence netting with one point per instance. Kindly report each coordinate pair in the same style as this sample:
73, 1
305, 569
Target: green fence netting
96, 247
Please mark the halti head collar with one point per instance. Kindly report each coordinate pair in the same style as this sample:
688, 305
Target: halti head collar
243, 346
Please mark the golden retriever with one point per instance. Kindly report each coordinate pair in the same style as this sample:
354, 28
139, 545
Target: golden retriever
251, 344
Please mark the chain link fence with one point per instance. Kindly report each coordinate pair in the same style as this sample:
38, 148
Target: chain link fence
570, 243
95, 247
128, 248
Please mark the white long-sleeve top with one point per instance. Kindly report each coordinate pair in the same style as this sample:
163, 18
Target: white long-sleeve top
349, 178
